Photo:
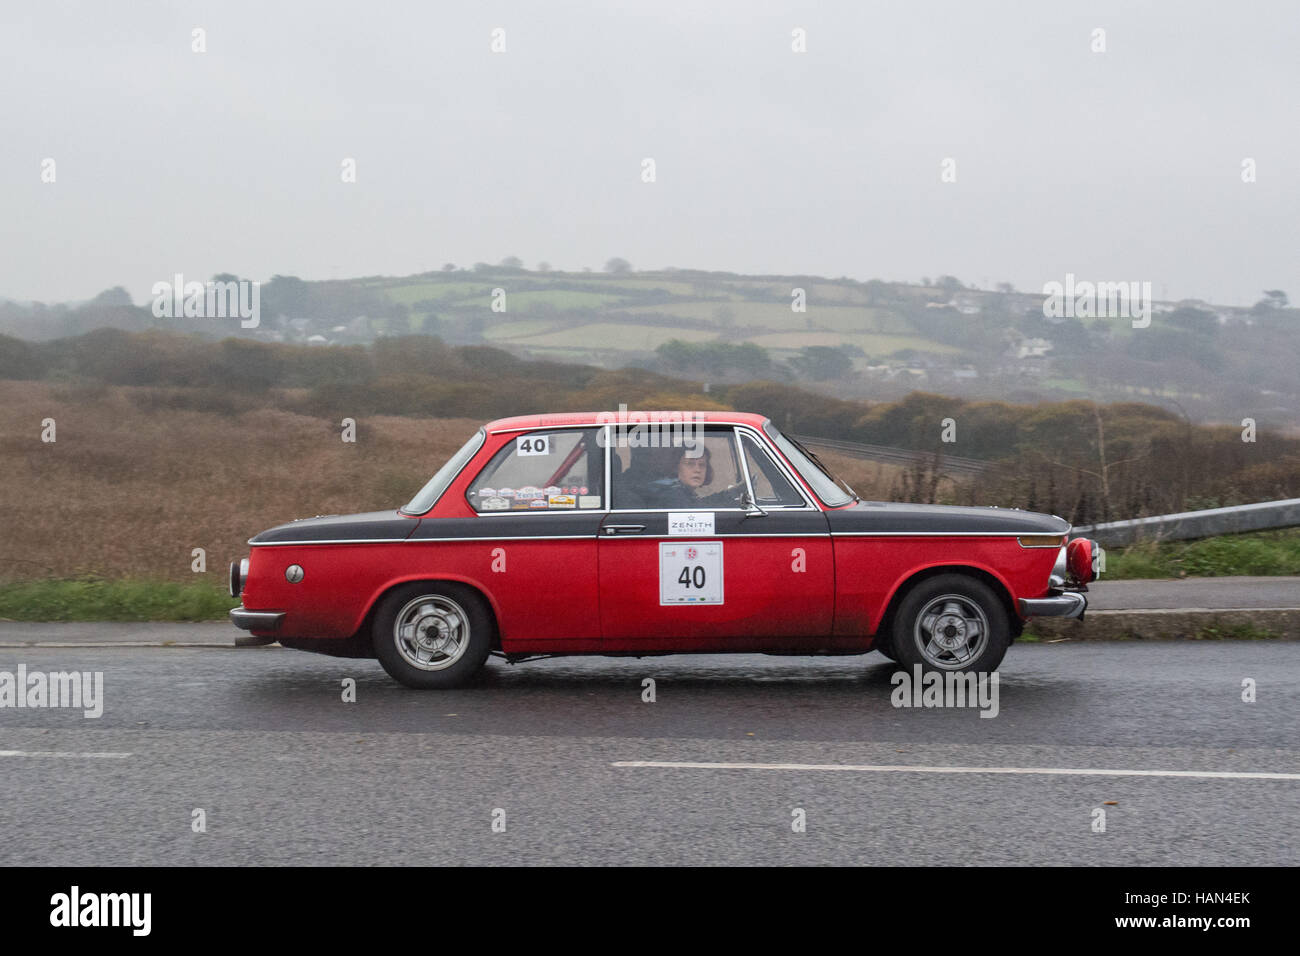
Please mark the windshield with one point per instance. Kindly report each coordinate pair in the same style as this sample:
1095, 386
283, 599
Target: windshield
829, 489
436, 485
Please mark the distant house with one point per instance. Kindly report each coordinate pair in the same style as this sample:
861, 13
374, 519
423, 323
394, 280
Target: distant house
1030, 349
965, 305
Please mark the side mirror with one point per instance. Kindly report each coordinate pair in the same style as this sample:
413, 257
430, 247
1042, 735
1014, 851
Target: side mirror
752, 510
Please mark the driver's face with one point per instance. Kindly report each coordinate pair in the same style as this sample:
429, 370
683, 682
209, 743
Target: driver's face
692, 471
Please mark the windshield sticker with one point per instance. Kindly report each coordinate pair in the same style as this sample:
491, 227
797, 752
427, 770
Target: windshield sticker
533, 445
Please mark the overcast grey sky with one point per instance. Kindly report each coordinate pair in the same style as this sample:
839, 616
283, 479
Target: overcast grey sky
1122, 165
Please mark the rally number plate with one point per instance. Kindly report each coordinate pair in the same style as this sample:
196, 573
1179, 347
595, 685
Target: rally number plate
690, 572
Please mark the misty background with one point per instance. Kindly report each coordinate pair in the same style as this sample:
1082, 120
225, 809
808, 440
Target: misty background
1123, 165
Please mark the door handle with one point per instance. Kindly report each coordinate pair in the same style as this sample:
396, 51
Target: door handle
623, 528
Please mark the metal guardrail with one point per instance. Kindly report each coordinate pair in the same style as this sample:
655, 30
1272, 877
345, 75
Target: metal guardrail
1184, 526
1196, 524
895, 456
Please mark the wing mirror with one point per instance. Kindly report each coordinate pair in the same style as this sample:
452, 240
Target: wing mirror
752, 510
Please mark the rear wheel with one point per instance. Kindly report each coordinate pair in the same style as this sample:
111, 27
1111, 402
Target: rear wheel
951, 622
432, 635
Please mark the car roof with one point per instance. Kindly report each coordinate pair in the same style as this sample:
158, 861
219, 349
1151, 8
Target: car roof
560, 419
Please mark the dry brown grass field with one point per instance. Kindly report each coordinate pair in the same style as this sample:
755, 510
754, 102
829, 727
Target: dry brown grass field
872, 480
128, 490
131, 485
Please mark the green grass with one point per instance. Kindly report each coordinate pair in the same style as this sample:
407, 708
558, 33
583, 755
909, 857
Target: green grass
876, 346
766, 315
644, 337
447, 292
1237, 631
626, 284
1075, 385
860, 319
830, 292
778, 317
559, 299
513, 330
1256, 553
102, 599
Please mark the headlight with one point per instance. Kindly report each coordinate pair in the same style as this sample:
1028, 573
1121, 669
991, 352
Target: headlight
1086, 559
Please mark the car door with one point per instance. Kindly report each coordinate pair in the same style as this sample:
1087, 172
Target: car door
531, 546
682, 562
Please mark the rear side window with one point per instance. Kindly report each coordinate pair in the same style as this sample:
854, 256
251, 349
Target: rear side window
543, 471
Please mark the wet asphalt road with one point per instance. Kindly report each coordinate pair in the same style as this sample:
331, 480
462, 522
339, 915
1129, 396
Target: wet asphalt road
1218, 593
287, 772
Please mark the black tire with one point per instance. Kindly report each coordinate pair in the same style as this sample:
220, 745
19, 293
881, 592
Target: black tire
955, 607
448, 622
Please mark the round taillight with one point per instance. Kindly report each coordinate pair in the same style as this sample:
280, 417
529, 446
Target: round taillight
238, 577
1078, 556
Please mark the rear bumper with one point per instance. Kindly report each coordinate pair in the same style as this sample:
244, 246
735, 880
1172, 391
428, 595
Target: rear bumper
1065, 604
248, 620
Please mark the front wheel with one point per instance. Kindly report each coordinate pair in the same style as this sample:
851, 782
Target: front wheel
951, 623
432, 635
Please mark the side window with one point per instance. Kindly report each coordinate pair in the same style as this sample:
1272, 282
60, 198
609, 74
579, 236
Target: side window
700, 472
771, 487
560, 470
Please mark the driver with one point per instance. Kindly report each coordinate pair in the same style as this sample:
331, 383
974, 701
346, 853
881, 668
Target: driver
681, 488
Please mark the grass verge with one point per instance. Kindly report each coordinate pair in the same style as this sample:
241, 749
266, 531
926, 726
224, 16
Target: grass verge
101, 599
1255, 553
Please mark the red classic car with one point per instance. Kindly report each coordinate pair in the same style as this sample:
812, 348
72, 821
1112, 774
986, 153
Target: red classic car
652, 533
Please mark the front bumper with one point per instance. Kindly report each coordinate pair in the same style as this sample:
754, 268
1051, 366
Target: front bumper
1065, 604
248, 620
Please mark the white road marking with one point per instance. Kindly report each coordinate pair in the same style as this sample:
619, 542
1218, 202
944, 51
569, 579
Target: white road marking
57, 753
903, 768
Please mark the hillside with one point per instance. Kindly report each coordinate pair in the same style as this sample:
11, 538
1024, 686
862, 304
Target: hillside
873, 339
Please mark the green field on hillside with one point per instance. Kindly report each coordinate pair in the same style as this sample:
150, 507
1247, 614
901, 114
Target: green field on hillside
594, 335
778, 316
875, 346
448, 292
559, 299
